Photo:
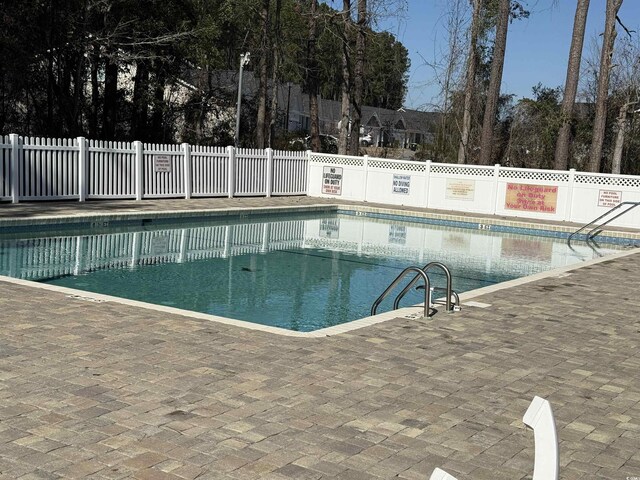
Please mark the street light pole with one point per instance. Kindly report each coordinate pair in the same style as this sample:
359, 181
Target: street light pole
286, 123
244, 60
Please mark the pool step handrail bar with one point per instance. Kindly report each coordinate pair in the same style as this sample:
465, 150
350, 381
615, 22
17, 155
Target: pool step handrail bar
455, 299
597, 227
420, 273
448, 289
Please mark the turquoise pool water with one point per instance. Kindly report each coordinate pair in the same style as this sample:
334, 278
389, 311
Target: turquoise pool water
300, 273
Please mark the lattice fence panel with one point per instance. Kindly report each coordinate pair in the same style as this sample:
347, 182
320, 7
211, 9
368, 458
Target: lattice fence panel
586, 179
391, 165
462, 170
544, 175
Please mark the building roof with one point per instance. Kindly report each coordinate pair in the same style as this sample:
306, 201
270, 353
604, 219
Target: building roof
298, 102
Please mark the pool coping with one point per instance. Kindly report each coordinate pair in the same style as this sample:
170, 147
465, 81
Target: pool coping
466, 298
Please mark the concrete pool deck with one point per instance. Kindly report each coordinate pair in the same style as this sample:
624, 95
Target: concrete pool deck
108, 390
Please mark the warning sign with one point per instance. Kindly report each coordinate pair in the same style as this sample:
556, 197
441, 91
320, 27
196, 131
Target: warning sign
531, 198
332, 180
460, 189
401, 184
609, 198
161, 163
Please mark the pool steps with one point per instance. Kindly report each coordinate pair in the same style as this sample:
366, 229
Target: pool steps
421, 273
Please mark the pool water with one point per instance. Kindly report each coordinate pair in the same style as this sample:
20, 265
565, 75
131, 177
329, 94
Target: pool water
297, 273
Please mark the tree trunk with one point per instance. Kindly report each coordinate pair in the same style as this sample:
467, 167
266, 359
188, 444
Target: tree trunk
275, 42
472, 63
571, 85
157, 118
110, 102
140, 110
312, 78
621, 123
600, 120
343, 137
263, 69
95, 93
358, 81
493, 95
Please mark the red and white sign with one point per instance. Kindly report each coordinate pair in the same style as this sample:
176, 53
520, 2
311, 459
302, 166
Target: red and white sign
531, 198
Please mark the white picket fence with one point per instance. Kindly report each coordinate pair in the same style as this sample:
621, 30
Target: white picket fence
65, 169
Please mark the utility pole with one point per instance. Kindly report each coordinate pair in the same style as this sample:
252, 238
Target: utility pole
244, 60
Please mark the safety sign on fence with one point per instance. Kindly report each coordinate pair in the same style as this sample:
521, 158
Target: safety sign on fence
332, 180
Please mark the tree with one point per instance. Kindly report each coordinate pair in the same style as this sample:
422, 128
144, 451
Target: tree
447, 68
534, 128
152, 71
608, 41
571, 85
312, 77
387, 60
345, 104
625, 86
493, 94
276, 42
470, 81
358, 81
263, 72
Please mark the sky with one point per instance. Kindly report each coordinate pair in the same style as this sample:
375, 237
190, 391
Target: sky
537, 47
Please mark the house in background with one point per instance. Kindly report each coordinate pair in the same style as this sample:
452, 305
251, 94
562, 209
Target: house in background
381, 127
387, 128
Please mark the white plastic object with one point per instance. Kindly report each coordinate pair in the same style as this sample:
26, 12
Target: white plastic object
539, 417
441, 475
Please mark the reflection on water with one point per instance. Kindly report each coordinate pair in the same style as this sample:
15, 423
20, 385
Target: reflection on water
300, 274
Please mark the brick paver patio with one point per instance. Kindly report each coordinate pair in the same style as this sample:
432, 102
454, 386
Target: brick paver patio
108, 391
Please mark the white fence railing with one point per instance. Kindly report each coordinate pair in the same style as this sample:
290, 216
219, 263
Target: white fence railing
58, 169
492, 190
50, 169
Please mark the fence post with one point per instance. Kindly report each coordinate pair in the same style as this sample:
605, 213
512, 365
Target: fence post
269, 180
427, 182
82, 168
137, 145
569, 207
365, 165
308, 152
231, 177
186, 148
494, 192
15, 174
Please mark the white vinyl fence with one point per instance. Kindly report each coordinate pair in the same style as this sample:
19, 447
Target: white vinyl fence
51, 169
493, 190
81, 169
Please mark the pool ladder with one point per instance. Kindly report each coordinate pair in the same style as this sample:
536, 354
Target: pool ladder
597, 227
421, 273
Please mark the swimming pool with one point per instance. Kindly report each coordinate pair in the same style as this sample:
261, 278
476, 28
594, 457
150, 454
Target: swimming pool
298, 272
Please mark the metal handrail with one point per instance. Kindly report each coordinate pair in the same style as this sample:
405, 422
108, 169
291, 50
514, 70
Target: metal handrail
427, 289
591, 233
454, 294
427, 267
